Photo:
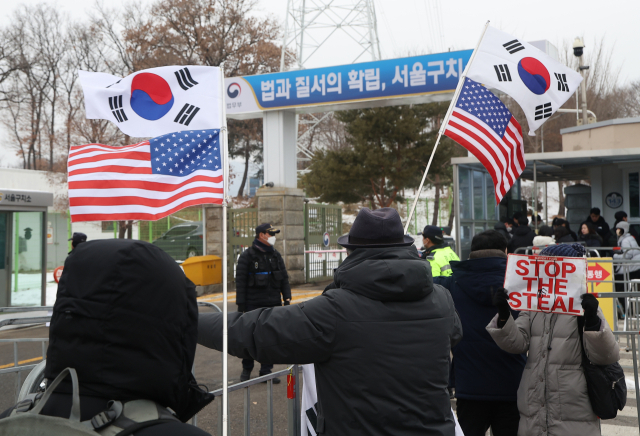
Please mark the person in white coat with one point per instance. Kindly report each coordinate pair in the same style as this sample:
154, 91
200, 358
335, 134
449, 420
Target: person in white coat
629, 252
552, 396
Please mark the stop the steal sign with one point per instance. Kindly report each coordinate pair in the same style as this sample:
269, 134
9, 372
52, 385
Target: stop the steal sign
546, 284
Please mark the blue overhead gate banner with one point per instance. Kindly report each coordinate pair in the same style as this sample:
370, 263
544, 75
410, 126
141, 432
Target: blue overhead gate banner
393, 78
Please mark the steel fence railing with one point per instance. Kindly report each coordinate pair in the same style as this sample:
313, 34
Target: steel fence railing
293, 405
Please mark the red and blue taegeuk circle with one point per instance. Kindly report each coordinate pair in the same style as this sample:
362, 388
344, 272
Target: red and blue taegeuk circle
151, 96
233, 90
534, 75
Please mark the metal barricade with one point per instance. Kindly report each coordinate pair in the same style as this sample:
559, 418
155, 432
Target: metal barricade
293, 405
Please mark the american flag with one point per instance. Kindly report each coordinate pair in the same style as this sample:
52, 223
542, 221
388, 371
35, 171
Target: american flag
145, 181
482, 124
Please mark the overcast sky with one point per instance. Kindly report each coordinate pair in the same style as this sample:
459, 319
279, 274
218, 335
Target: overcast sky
423, 26
411, 26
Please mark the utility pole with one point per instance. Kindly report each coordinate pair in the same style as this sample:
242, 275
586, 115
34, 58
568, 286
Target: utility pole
311, 26
578, 49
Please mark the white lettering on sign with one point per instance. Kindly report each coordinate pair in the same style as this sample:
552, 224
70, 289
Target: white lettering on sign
267, 89
546, 284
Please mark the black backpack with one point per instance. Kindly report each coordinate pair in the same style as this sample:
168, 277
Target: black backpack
605, 383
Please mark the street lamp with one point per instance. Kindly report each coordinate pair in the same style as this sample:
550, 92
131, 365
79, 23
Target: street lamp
578, 48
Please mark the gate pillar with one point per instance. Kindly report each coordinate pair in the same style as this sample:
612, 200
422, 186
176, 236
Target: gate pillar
283, 208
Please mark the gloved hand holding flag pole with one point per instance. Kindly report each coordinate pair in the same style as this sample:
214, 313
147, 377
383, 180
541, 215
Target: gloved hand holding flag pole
480, 122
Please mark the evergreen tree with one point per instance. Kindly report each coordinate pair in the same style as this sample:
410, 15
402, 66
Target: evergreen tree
388, 149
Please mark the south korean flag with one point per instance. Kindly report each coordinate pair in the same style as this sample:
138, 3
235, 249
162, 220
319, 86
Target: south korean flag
537, 82
156, 101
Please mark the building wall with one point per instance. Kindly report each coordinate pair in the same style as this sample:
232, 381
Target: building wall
13, 178
615, 136
606, 179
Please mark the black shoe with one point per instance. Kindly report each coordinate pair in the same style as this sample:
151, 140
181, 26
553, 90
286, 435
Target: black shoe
246, 375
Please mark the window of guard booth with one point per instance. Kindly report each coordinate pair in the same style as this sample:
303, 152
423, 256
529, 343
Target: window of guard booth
492, 209
465, 194
634, 195
465, 241
26, 252
478, 196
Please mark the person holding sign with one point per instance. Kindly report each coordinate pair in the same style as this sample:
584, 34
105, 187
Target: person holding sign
552, 397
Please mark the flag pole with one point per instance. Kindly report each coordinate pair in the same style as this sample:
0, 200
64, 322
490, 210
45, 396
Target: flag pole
443, 126
225, 269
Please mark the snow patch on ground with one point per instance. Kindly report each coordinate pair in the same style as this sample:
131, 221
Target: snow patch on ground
29, 288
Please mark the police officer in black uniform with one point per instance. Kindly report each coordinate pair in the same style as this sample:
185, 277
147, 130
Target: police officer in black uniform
261, 281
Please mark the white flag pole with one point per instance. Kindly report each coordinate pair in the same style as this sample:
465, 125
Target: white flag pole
443, 126
225, 259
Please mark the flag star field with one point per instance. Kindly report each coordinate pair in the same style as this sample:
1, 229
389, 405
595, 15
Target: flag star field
182, 153
484, 105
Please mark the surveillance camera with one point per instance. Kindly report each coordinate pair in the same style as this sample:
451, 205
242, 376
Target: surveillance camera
578, 46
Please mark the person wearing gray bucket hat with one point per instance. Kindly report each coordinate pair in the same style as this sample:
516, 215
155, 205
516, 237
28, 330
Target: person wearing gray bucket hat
380, 340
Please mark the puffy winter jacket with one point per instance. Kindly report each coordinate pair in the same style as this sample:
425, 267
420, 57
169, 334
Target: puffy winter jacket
483, 372
627, 241
261, 277
380, 343
602, 228
552, 397
522, 237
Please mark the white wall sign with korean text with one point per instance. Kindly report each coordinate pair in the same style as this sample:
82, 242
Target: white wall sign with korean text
546, 284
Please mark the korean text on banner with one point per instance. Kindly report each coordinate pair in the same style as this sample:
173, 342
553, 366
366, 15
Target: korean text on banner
546, 284
600, 278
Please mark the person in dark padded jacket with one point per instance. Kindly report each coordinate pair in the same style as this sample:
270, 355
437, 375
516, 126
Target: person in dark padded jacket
487, 377
380, 341
522, 235
261, 281
126, 319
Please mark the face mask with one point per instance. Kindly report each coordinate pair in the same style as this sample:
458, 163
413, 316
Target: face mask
271, 240
509, 229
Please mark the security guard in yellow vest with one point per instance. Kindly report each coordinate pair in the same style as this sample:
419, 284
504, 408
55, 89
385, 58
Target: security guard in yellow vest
437, 252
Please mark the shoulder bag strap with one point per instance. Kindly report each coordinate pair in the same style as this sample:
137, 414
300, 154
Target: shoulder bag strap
75, 399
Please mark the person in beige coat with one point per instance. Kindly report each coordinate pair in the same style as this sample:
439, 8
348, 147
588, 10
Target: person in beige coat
552, 396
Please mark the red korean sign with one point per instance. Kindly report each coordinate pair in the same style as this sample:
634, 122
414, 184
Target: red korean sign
546, 284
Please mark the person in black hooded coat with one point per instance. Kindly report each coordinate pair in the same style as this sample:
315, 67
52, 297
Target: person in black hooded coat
380, 341
125, 318
487, 378
522, 235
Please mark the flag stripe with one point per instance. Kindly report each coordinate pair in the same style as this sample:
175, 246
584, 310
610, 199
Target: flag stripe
112, 169
105, 181
497, 168
476, 151
78, 217
123, 200
98, 156
141, 208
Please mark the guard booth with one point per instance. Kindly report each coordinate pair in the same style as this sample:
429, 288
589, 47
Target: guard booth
23, 247
600, 165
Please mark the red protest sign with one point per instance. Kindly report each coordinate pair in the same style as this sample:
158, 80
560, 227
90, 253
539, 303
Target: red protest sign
546, 284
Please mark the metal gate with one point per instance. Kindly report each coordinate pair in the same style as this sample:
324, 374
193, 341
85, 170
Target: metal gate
242, 230
322, 226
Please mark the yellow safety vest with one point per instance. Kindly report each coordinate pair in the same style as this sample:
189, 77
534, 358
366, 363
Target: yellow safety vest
439, 260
